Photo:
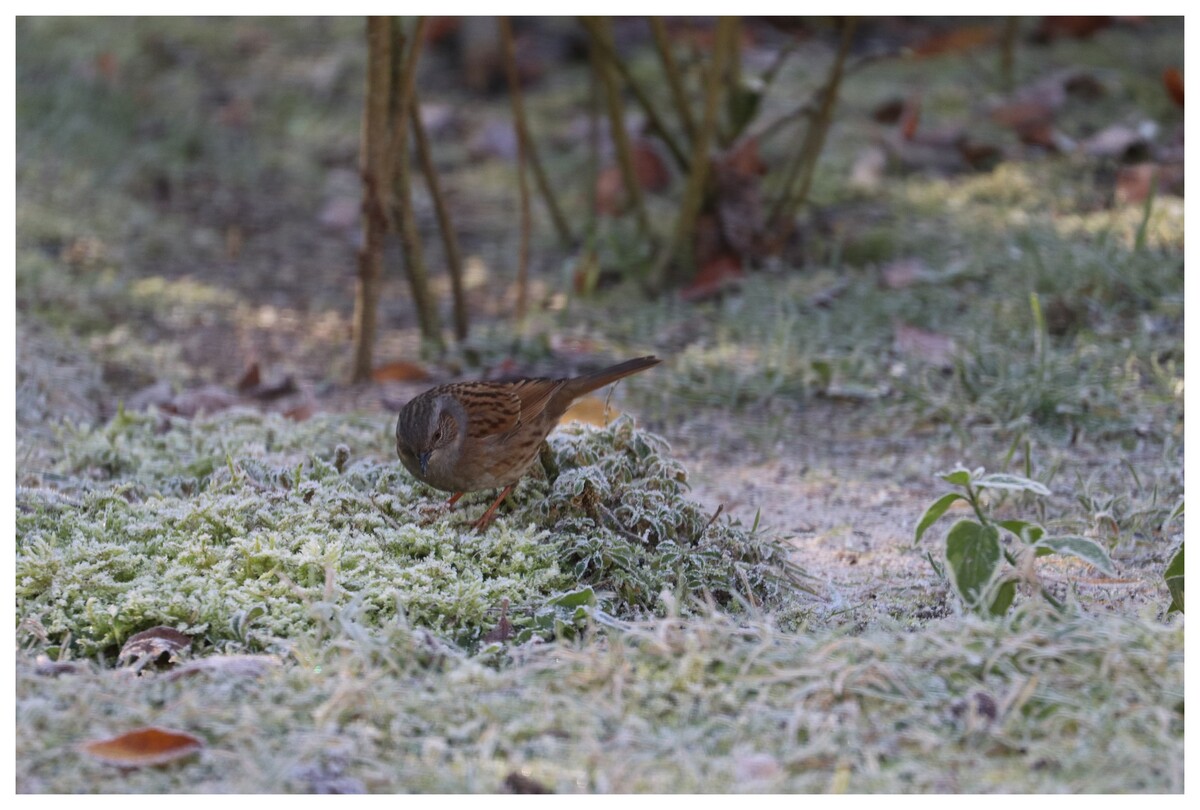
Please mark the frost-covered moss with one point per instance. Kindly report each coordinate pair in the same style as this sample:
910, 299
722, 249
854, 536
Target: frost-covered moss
244, 530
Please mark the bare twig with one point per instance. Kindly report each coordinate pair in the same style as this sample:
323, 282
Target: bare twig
375, 167
522, 127
404, 80
799, 174
674, 79
449, 238
668, 268
601, 35
514, 82
600, 32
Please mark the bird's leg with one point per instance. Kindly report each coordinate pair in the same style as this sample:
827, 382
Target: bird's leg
489, 515
454, 499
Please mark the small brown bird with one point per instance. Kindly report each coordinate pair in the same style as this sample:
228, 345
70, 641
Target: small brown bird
468, 436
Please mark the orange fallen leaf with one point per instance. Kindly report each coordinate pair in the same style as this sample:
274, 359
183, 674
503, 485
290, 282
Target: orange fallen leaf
399, 371
144, 746
590, 411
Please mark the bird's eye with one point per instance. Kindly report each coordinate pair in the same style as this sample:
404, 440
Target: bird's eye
437, 436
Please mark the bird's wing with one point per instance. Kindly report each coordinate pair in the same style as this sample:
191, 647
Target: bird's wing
535, 395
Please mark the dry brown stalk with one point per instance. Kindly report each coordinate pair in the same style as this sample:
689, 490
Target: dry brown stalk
375, 167
514, 86
445, 225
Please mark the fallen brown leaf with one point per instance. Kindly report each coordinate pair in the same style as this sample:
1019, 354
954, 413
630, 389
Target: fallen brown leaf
713, 278
1173, 82
301, 412
649, 167
1079, 27
144, 746
399, 371
251, 378
957, 40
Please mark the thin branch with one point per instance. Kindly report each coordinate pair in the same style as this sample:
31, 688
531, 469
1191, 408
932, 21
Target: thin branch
514, 88
374, 165
674, 79
445, 225
600, 31
410, 238
601, 34
693, 194
522, 126
798, 177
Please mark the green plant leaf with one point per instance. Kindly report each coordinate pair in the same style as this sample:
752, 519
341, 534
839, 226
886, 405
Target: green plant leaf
1018, 483
959, 477
1083, 548
1174, 577
1004, 597
973, 554
935, 511
584, 596
1020, 527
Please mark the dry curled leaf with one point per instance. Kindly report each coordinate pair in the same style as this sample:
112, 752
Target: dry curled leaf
149, 645
143, 747
503, 630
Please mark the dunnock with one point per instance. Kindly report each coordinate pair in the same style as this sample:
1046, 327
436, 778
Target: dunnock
468, 436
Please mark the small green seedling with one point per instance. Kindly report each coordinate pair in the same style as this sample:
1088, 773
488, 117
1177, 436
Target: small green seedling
974, 548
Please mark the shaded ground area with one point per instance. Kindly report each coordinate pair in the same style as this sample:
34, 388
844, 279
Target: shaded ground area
186, 208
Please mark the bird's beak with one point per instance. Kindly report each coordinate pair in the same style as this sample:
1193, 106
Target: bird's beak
423, 460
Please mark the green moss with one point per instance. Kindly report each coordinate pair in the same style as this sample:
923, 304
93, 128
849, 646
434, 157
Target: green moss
194, 523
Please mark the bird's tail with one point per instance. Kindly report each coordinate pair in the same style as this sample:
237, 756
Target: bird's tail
578, 386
